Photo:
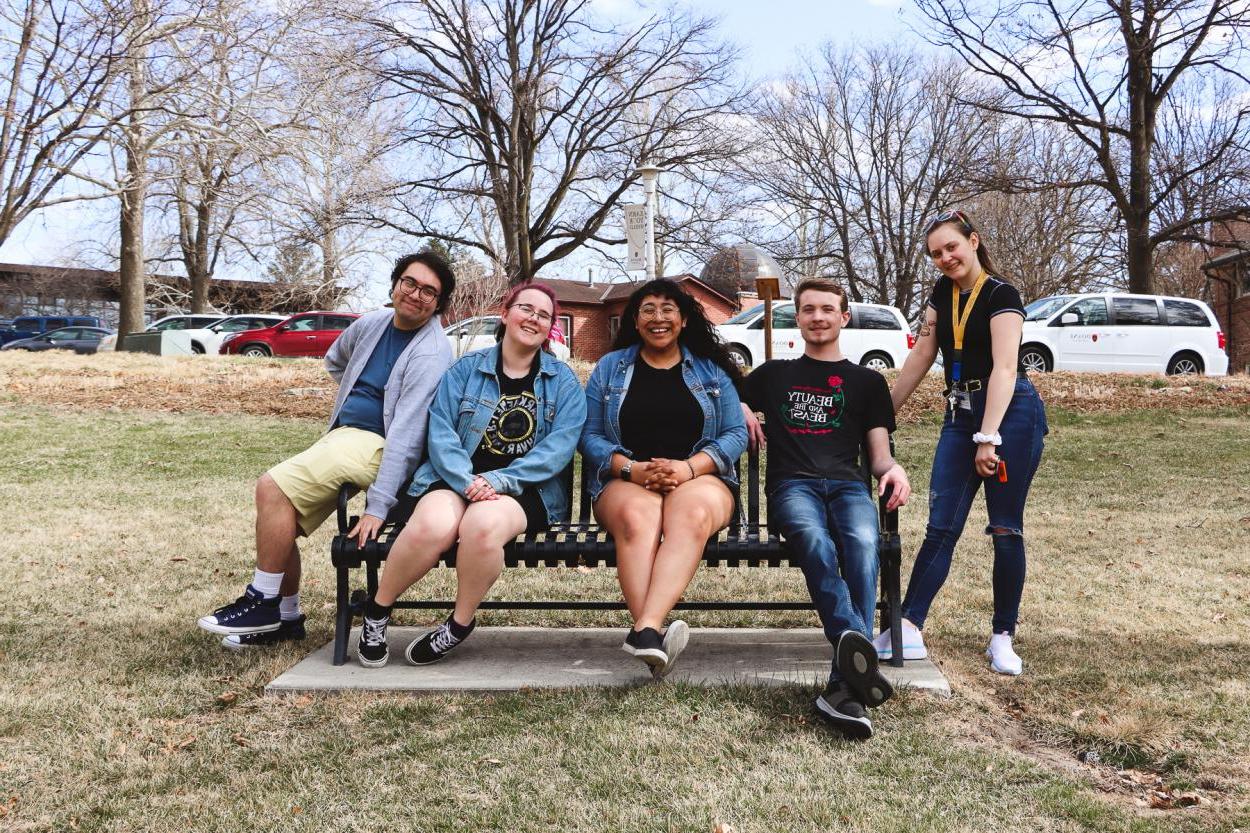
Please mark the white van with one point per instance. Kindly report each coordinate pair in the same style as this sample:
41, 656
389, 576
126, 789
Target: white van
876, 336
1110, 332
479, 332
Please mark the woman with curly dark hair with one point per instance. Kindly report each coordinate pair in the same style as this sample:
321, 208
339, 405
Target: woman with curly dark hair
664, 427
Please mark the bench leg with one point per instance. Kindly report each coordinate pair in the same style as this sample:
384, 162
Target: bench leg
891, 584
342, 617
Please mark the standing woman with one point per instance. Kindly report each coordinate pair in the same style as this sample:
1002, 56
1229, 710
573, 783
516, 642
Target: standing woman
664, 427
992, 431
504, 424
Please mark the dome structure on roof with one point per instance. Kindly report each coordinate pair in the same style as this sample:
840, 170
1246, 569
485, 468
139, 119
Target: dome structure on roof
735, 269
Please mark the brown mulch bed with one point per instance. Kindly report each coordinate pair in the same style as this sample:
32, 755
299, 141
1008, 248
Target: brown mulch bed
301, 389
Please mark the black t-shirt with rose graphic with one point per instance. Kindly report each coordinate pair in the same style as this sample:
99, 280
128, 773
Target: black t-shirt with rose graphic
816, 415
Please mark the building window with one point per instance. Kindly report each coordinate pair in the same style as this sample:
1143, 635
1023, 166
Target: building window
614, 327
566, 327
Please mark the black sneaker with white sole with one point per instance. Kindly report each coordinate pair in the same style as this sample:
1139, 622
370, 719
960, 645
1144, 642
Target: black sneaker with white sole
371, 650
436, 644
647, 645
838, 706
856, 661
250, 613
289, 630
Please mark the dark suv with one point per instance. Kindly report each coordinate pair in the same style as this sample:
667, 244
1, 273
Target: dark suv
307, 334
29, 326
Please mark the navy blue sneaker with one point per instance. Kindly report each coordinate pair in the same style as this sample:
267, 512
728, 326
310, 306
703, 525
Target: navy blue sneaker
250, 613
289, 630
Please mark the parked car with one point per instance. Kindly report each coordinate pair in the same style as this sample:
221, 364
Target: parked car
29, 326
306, 334
79, 339
171, 322
877, 336
208, 339
1109, 332
475, 333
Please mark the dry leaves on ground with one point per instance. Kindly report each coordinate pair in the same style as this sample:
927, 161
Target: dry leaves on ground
301, 389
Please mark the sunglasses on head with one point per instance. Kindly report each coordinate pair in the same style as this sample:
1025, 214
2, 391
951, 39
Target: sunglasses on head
955, 216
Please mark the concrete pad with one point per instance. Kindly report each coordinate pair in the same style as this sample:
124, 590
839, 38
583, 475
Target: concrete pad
509, 659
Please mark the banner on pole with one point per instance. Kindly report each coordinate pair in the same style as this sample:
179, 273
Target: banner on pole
636, 237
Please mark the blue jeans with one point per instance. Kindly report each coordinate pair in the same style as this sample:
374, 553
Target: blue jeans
831, 527
952, 486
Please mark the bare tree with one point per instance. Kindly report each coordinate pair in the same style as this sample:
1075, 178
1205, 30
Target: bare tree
205, 176
61, 57
1105, 70
855, 151
538, 109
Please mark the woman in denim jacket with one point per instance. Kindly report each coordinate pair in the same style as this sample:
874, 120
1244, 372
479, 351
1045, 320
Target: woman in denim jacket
992, 432
664, 427
504, 424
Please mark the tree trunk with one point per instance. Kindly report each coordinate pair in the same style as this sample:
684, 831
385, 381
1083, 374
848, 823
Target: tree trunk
197, 266
1141, 142
130, 270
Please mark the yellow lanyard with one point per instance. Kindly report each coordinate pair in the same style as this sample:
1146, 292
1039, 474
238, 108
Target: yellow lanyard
960, 322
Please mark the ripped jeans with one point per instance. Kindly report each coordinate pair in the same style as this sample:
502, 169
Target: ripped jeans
953, 485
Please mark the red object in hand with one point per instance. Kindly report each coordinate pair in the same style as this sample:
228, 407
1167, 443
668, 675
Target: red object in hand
1002, 470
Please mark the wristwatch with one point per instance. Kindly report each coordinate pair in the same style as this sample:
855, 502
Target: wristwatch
625, 470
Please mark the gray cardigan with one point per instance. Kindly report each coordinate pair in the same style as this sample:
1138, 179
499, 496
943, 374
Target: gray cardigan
405, 403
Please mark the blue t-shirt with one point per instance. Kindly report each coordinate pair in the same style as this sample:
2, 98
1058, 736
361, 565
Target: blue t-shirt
363, 406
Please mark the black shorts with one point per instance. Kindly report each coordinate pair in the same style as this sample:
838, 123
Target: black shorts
531, 502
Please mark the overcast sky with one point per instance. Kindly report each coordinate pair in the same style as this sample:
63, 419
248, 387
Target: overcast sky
771, 32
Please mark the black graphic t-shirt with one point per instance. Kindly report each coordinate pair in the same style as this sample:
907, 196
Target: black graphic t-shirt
660, 416
816, 415
997, 297
510, 432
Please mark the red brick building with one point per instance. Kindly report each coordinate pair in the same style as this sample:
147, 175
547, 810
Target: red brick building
1228, 276
594, 310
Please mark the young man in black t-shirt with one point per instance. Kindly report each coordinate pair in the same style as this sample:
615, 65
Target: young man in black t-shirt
820, 411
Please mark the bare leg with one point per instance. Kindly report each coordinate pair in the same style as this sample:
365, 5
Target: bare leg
429, 532
693, 512
290, 579
276, 530
486, 527
632, 514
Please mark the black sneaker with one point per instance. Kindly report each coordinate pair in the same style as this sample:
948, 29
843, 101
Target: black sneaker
647, 646
856, 661
436, 644
250, 613
371, 650
675, 639
838, 706
288, 630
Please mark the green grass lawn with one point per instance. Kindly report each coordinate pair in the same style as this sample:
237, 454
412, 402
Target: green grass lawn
117, 713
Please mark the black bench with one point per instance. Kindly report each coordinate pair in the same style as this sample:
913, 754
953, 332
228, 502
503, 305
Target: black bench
747, 542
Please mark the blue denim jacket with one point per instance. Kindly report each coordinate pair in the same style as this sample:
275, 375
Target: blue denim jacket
724, 435
463, 405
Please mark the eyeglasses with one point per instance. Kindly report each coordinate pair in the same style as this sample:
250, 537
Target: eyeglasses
955, 216
528, 311
665, 311
409, 286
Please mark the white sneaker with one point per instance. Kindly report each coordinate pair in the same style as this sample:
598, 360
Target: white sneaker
913, 643
1002, 656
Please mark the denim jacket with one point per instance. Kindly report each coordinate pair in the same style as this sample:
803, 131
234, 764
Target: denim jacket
463, 405
724, 435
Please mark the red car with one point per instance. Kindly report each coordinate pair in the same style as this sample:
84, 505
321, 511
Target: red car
306, 334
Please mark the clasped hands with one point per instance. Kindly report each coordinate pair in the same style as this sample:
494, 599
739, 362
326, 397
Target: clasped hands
661, 474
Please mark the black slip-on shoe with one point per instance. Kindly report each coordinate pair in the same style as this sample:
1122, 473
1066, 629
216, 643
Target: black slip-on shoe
856, 661
838, 707
646, 645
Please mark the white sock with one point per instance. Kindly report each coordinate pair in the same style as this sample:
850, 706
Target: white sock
269, 584
288, 608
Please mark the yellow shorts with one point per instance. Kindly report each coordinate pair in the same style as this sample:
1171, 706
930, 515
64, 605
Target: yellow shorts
311, 479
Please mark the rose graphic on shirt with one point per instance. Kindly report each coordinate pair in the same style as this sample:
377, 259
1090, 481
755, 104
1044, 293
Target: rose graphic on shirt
815, 410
